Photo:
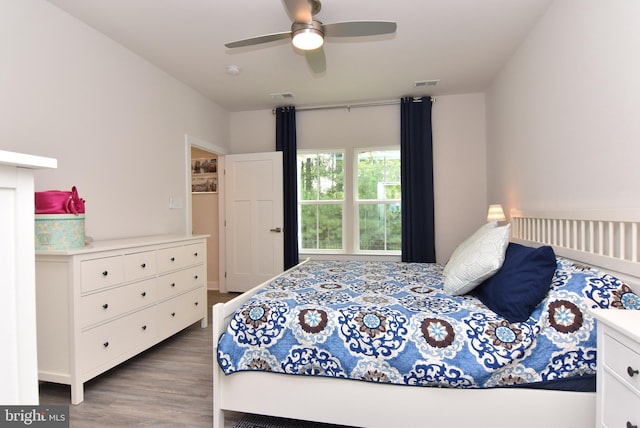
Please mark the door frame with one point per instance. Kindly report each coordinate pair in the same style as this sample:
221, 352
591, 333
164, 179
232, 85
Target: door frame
191, 141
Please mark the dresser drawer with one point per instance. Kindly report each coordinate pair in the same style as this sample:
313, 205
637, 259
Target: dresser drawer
139, 265
622, 360
178, 313
98, 307
177, 282
171, 259
195, 253
179, 257
108, 342
99, 273
621, 407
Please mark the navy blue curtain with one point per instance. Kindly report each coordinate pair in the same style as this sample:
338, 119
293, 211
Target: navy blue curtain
416, 157
286, 143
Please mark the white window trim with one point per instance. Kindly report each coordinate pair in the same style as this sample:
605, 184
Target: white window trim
355, 202
343, 202
350, 218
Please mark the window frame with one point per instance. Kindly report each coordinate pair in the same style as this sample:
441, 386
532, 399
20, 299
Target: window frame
357, 202
350, 203
319, 202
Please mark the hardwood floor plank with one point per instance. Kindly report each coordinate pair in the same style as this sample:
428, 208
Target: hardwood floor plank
169, 385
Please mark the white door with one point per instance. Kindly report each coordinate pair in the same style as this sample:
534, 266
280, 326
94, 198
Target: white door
254, 219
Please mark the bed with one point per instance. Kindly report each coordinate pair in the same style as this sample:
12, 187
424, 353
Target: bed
596, 248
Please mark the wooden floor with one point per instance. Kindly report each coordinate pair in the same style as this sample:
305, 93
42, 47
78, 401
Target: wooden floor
169, 385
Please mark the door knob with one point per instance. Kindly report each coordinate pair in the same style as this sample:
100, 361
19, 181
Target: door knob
276, 230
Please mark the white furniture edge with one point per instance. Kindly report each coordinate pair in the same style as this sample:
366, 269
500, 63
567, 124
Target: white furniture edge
625, 322
19, 371
623, 327
122, 243
355, 403
26, 161
19, 357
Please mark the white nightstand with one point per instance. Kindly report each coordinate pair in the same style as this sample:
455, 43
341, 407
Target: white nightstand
618, 382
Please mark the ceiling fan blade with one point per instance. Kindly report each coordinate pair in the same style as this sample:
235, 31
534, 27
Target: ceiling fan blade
259, 40
358, 28
299, 10
316, 60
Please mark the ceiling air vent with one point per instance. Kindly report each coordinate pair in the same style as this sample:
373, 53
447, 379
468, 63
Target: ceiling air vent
425, 83
282, 96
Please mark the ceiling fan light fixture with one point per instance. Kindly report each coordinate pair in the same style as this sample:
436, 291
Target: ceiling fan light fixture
307, 37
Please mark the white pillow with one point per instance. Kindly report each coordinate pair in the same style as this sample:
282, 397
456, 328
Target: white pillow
478, 260
464, 244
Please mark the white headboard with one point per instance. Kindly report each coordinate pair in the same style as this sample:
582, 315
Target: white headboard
608, 240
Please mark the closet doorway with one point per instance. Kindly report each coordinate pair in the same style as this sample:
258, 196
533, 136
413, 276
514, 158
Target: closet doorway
205, 207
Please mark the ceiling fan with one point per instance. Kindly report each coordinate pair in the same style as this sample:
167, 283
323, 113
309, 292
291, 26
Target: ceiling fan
308, 34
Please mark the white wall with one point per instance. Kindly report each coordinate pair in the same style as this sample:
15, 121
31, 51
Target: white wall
563, 115
115, 123
252, 132
459, 151
460, 169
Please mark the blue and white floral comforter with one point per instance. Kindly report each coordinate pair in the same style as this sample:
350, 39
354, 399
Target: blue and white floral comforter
391, 322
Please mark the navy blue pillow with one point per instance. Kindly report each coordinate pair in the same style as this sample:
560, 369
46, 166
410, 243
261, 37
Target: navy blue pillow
521, 283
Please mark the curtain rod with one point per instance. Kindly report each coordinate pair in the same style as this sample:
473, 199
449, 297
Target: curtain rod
350, 106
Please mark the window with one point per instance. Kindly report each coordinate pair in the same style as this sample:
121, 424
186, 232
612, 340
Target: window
321, 200
378, 200
341, 215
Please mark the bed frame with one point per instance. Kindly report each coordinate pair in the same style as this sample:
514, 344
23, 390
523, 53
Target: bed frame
604, 239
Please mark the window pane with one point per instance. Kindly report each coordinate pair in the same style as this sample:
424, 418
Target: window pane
394, 227
379, 174
392, 191
308, 176
321, 176
308, 227
330, 229
380, 227
321, 227
393, 167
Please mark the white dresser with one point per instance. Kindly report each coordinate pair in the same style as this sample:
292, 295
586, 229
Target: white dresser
618, 380
101, 305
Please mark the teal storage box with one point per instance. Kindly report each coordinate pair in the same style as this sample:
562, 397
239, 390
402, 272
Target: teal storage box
59, 231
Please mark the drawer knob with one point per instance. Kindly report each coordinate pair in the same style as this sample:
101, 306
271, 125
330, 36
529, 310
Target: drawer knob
631, 371
195, 276
105, 344
143, 265
173, 259
630, 425
105, 306
144, 293
144, 327
173, 284
196, 303
195, 254
173, 314
105, 273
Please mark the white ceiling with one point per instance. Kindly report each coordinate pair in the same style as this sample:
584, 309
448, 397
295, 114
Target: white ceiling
462, 43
